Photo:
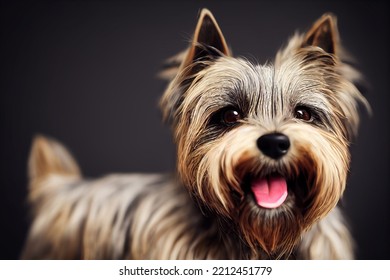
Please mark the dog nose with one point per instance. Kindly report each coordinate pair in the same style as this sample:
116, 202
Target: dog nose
274, 145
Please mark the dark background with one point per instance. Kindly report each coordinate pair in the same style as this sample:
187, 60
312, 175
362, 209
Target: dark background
85, 73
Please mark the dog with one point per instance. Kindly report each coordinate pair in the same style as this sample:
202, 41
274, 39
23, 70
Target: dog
262, 163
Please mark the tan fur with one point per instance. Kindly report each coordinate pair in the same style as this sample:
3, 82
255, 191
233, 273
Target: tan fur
208, 210
328, 239
48, 156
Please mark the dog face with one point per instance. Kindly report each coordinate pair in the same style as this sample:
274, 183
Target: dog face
265, 147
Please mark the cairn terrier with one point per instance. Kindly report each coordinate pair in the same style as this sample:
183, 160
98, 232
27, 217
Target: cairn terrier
262, 162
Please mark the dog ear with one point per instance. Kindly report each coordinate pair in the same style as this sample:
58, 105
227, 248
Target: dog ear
208, 42
207, 45
324, 34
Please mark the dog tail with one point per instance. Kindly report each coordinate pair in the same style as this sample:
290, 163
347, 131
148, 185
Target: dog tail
49, 157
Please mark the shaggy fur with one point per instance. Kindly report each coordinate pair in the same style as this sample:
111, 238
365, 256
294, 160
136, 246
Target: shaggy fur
219, 107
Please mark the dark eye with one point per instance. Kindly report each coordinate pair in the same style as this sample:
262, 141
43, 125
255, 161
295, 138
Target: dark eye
303, 113
231, 116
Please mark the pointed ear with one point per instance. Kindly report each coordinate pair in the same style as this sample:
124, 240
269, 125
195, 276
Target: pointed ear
208, 42
207, 45
324, 34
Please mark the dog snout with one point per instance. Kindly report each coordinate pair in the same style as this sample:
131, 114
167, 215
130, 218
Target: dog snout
274, 145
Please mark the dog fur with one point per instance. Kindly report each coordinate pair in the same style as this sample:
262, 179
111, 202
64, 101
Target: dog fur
218, 107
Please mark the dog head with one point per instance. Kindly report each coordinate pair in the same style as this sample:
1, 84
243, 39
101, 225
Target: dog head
265, 147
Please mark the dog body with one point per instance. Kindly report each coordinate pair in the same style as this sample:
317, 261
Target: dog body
139, 216
262, 163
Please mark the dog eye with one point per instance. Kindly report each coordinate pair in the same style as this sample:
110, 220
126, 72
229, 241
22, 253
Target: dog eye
231, 116
303, 113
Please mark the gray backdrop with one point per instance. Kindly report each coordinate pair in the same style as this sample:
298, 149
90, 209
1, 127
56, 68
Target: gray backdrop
85, 73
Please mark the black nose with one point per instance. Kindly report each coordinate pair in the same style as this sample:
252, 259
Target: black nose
274, 145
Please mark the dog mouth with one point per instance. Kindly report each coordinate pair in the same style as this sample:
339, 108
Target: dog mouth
270, 191
274, 190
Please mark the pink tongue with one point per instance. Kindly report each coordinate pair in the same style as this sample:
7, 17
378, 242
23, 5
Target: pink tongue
270, 192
